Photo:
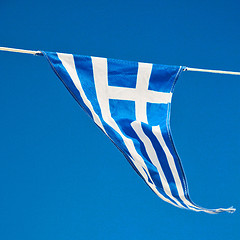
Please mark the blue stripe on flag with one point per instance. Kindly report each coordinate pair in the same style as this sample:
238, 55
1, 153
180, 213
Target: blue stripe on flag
122, 75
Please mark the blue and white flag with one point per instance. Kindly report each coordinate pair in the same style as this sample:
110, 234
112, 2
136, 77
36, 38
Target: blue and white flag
130, 102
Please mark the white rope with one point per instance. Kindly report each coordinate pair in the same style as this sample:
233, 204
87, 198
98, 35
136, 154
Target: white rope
19, 50
210, 71
185, 69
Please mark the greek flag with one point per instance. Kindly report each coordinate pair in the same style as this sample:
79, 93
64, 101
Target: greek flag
130, 102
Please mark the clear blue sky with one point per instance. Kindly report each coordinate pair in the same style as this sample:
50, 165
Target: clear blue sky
60, 177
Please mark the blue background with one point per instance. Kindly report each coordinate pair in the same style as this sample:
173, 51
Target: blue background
60, 177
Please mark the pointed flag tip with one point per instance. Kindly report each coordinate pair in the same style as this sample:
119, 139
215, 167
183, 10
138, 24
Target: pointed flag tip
232, 210
229, 210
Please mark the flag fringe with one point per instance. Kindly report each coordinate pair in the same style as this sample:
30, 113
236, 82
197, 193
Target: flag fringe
38, 53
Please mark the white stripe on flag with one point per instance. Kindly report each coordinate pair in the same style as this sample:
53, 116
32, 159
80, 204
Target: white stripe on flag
157, 132
69, 64
154, 159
